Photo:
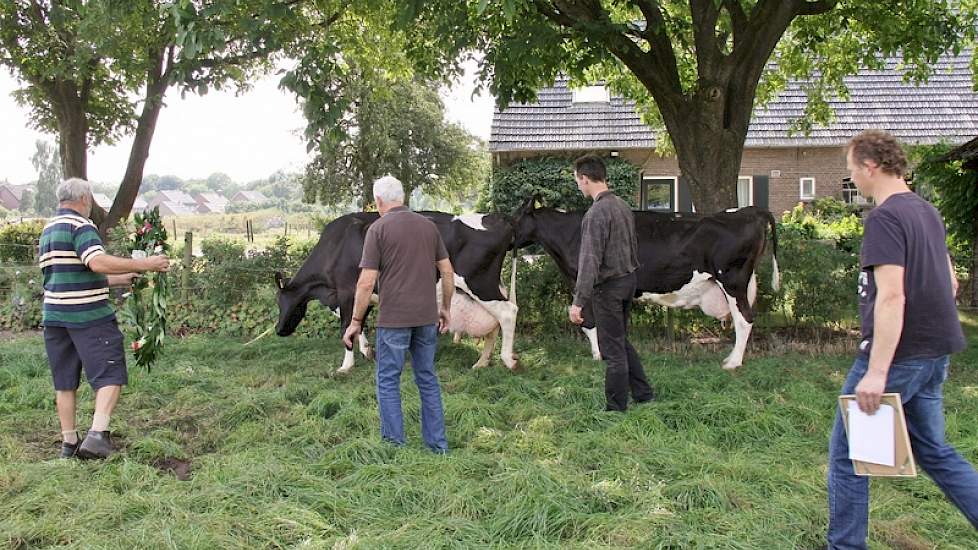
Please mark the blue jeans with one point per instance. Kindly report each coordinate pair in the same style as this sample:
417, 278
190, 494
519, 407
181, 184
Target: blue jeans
920, 384
393, 344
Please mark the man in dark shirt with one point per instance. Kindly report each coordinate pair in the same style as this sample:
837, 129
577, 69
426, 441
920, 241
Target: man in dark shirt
404, 248
80, 329
606, 276
909, 329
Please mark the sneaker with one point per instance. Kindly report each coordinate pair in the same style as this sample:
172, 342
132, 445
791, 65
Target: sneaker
68, 449
96, 445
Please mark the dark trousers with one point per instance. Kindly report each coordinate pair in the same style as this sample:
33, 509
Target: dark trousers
612, 304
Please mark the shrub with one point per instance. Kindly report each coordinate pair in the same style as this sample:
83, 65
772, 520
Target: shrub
551, 179
18, 241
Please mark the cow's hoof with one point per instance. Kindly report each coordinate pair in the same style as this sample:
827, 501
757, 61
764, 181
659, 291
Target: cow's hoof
729, 365
516, 366
596, 356
369, 353
343, 370
480, 365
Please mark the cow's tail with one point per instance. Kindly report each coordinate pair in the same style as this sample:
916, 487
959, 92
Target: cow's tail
512, 279
775, 275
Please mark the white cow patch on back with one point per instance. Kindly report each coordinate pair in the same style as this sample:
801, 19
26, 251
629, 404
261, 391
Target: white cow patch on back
472, 220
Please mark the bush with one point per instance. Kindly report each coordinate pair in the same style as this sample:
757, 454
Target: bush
18, 241
551, 179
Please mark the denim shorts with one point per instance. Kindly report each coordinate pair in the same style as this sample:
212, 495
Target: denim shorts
98, 349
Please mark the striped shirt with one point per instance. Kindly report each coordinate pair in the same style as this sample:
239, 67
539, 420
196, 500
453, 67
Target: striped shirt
74, 295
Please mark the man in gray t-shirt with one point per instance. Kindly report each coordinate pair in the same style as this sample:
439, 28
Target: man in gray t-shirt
404, 250
910, 327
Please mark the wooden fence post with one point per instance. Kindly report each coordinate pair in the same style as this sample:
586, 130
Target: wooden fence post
188, 261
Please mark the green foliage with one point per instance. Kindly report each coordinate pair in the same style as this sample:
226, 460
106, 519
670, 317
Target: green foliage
48, 165
391, 126
18, 241
818, 258
146, 318
695, 69
551, 179
954, 191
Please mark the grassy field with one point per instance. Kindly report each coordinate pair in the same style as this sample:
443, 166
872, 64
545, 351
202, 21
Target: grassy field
225, 446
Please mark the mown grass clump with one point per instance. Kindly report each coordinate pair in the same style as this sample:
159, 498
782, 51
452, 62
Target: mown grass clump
225, 446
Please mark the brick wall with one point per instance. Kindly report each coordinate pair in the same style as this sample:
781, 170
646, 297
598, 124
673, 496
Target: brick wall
826, 164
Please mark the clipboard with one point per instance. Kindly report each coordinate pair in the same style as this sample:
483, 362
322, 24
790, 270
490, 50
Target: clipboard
905, 464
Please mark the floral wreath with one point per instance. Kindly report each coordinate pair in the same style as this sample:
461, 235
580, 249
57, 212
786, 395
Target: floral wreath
147, 318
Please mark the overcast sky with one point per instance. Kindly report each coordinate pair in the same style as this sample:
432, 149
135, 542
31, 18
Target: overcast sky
247, 137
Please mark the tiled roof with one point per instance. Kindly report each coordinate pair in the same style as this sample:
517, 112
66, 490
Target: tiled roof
945, 107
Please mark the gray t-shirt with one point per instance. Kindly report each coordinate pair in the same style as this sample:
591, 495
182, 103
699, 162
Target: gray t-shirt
404, 247
907, 231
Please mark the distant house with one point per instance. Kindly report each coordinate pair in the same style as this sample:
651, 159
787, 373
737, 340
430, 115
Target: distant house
12, 195
211, 208
139, 205
778, 168
172, 197
248, 197
174, 209
102, 200
208, 203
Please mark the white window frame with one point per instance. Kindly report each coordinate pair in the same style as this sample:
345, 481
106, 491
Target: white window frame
675, 191
801, 188
597, 93
750, 191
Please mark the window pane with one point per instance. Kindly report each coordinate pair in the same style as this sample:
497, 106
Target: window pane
743, 192
658, 195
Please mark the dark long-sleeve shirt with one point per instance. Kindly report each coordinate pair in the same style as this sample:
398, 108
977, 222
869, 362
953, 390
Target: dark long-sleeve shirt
609, 247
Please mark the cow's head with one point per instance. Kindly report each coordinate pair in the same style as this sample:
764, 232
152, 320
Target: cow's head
525, 221
292, 303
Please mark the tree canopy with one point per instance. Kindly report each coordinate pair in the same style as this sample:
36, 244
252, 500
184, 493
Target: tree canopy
696, 68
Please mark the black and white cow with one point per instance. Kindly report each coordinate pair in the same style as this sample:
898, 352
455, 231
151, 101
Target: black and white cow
476, 244
687, 261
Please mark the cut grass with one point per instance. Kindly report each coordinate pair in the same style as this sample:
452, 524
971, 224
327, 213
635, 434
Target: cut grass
224, 446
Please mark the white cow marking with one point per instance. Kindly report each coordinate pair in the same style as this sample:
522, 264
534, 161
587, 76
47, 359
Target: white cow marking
472, 220
592, 337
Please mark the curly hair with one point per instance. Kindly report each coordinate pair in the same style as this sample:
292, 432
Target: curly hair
881, 148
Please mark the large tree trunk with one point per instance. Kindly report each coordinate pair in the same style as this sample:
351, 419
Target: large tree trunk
973, 276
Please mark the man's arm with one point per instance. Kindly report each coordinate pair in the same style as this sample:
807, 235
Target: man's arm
593, 236
447, 291
114, 265
365, 287
121, 280
954, 277
887, 328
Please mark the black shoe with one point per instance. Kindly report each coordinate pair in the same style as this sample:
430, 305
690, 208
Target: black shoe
647, 400
96, 445
68, 449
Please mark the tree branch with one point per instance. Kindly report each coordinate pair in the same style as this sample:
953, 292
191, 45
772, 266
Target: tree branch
737, 16
804, 7
704, 15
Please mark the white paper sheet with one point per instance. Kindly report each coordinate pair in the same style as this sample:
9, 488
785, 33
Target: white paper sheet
871, 436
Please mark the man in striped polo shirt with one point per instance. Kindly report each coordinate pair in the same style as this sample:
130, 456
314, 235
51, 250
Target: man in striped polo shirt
80, 329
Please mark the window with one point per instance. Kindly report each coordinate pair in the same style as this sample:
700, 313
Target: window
806, 188
745, 191
659, 194
591, 94
850, 194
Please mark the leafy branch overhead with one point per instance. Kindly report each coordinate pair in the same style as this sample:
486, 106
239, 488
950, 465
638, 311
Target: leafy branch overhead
696, 68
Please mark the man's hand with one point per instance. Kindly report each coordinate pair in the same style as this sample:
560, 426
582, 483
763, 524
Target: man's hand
444, 318
124, 279
869, 390
352, 332
574, 312
156, 263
